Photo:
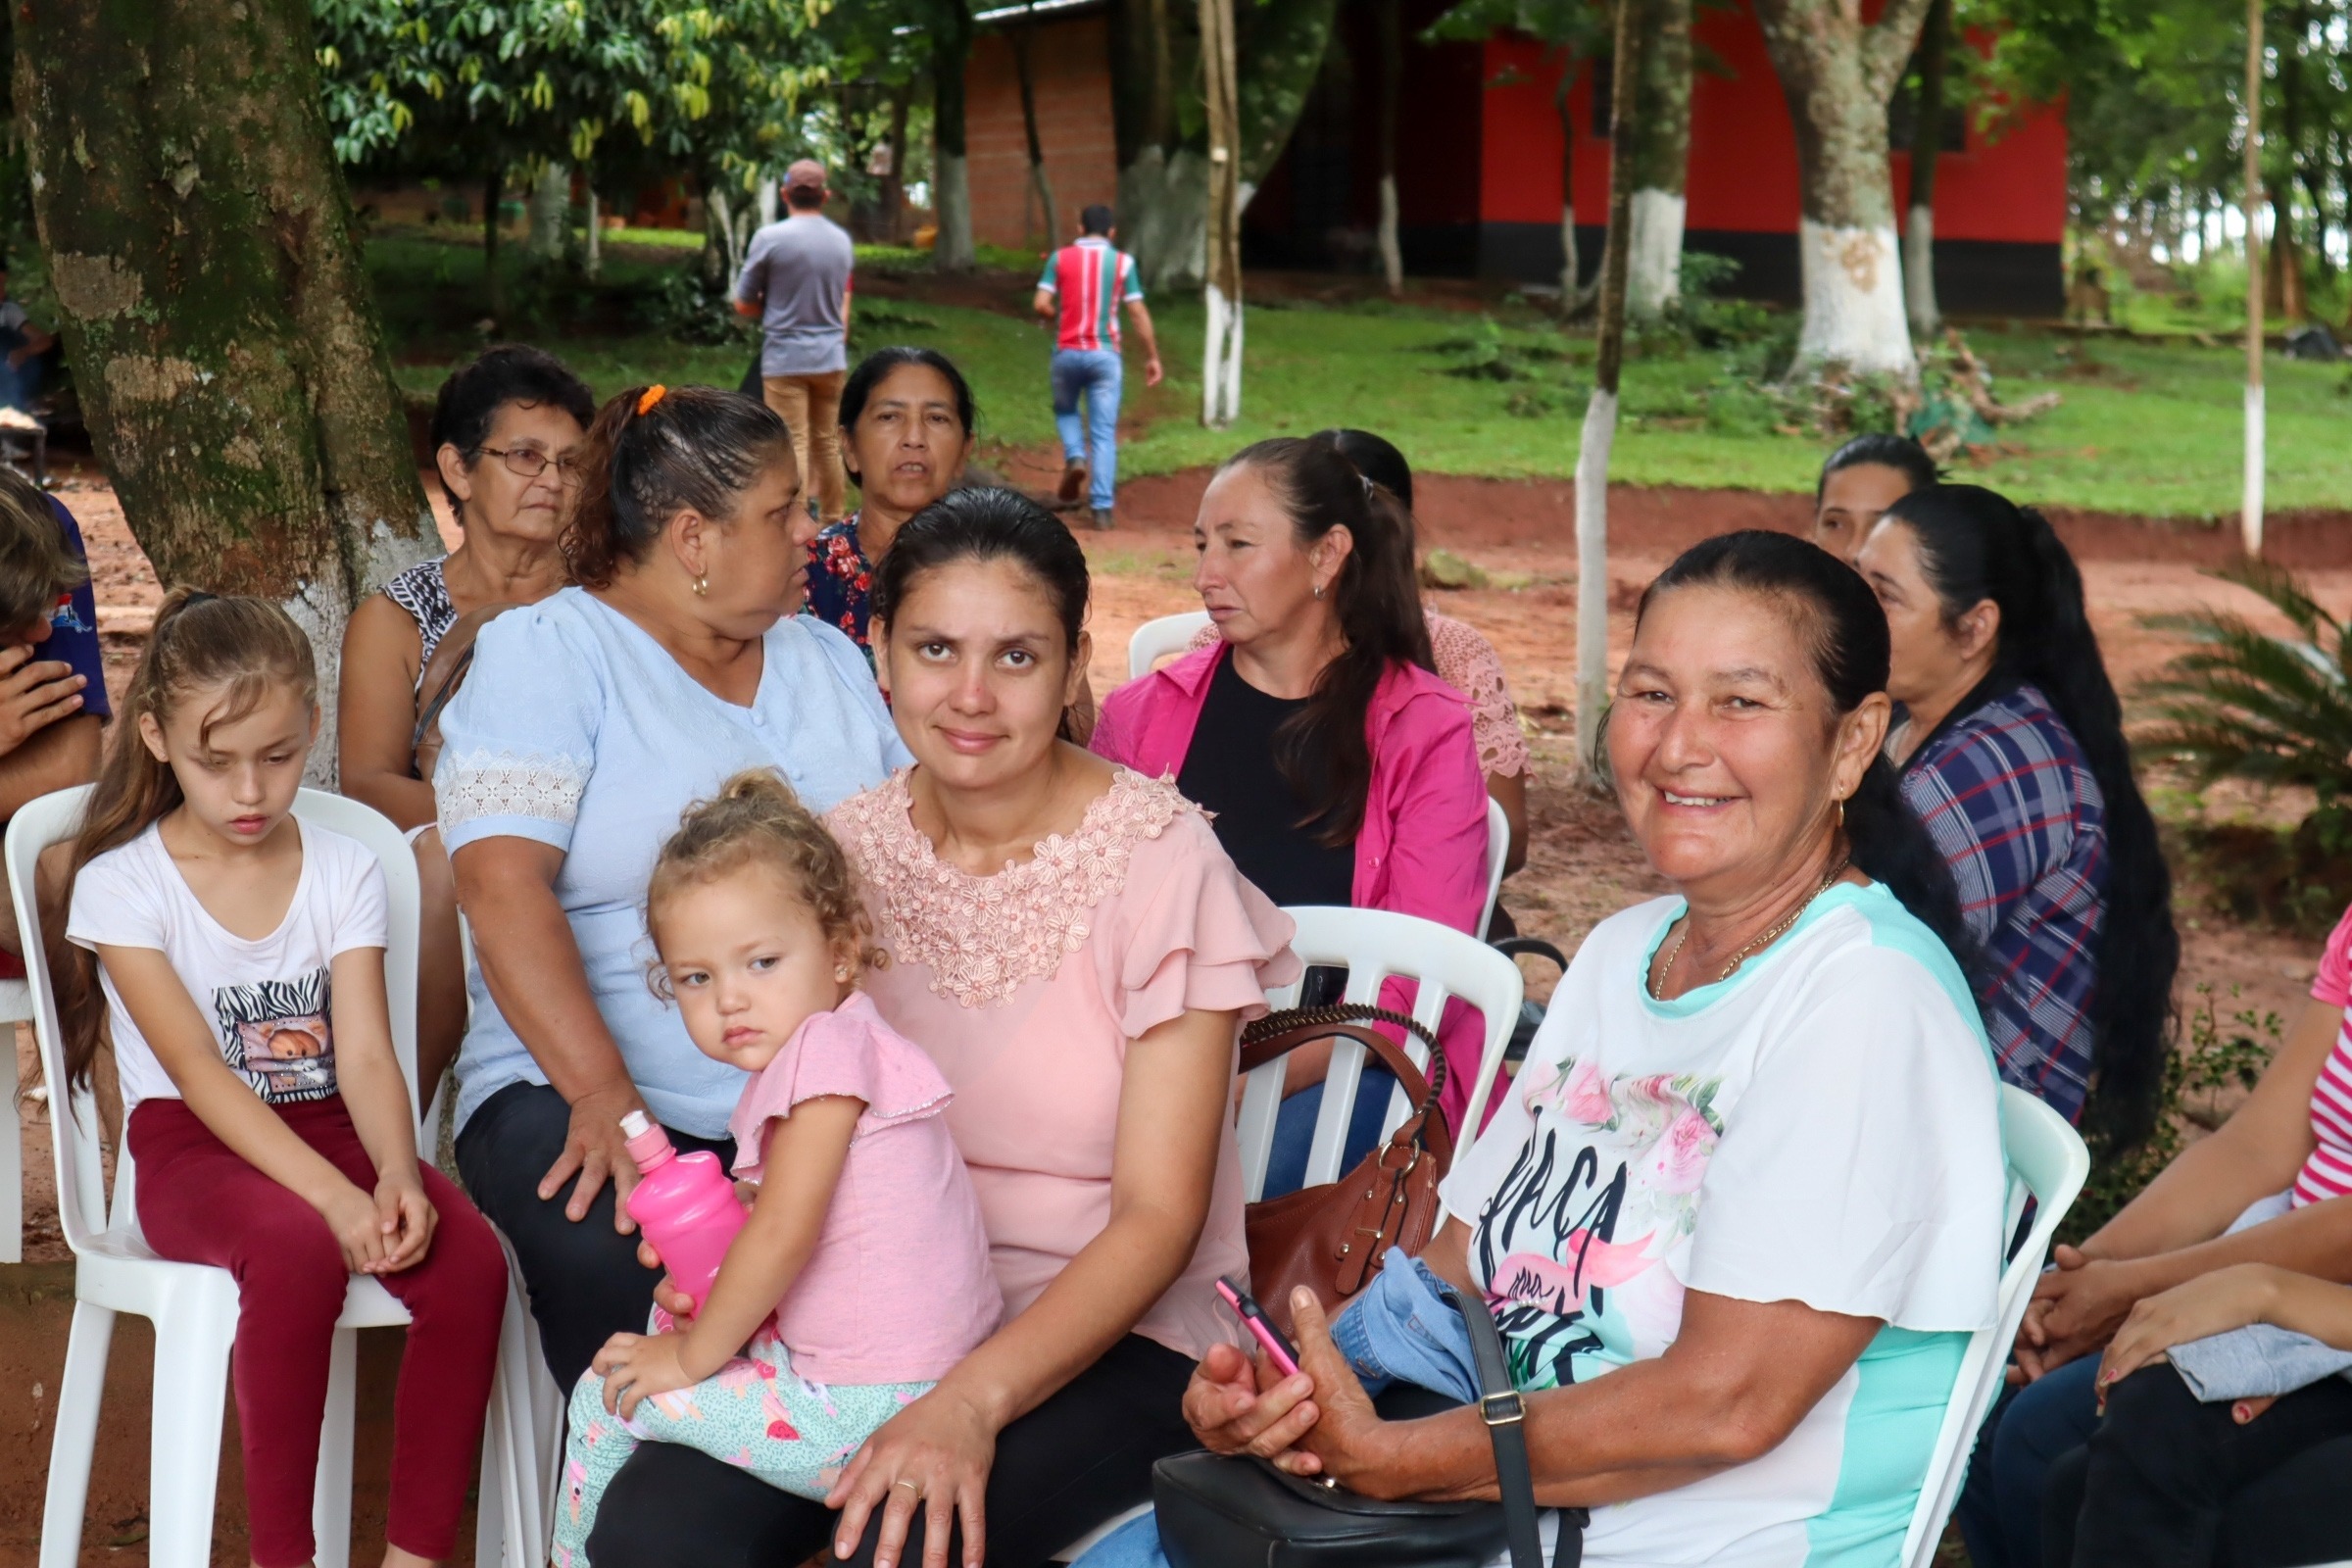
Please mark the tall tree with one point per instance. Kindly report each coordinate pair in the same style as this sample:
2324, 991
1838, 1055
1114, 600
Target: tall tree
1658, 161
1021, 35
1164, 171
1389, 21
1600, 412
951, 174
230, 363
1221, 366
1927, 151
1838, 74
1572, 31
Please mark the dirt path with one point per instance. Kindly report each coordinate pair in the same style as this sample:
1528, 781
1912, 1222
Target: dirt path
1582, 867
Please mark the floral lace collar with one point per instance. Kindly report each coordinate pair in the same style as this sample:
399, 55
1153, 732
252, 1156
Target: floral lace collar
982, 937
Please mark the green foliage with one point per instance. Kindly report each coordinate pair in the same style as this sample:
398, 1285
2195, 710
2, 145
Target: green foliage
447, 85
2243, 704
2221, 1059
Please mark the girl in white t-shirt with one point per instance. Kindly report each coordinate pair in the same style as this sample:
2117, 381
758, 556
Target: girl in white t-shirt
236, 954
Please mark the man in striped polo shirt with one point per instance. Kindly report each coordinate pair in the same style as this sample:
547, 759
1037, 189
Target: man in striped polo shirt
1083, 287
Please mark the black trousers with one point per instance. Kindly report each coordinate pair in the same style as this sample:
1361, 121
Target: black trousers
2167, 1482
1082, 1458
585, 1282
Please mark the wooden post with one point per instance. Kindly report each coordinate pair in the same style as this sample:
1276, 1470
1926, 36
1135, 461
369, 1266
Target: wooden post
1600, 415
1221, 354
2250, 511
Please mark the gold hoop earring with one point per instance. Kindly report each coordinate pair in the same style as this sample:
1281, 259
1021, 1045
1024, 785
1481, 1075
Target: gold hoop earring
1841, 816
702, 587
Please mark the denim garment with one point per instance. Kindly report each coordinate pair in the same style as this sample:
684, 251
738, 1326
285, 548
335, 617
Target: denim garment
1096, 376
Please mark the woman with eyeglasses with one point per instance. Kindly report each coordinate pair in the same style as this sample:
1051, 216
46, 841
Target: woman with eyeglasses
508, 433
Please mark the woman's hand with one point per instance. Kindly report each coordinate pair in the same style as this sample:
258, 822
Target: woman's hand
359, 1228
1240, 1404
936, 1453
2213, 1303
597, 1150
1349, 1444
406, 1218
2075, 1308
637, 1366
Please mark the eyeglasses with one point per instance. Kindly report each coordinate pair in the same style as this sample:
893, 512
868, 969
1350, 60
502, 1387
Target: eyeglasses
529, 462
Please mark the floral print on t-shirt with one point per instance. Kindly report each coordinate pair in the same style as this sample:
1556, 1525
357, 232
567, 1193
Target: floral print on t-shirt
841, 580
1585, 1242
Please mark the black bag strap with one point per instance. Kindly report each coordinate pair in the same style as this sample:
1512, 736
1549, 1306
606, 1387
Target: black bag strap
1504, 1410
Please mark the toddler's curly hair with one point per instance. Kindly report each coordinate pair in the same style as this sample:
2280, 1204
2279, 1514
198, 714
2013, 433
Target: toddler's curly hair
755, 819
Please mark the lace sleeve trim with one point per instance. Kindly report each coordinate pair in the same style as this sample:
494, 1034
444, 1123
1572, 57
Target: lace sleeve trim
474, 785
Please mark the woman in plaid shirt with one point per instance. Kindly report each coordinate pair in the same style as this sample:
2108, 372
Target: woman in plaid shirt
2013, 755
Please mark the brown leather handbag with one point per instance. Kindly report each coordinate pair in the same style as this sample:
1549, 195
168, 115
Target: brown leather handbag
1333, 1237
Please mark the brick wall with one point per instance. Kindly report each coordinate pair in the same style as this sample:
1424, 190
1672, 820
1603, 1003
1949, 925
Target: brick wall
1071, 65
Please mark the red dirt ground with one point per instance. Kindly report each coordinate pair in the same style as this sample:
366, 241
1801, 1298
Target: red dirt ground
1582, 865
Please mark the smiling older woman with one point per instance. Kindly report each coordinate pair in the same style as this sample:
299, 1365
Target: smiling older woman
1742, 1207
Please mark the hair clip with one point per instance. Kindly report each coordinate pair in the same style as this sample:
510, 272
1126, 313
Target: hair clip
650, 396
1368, 485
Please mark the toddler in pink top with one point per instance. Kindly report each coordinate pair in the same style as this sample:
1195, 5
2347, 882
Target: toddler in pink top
863, 1274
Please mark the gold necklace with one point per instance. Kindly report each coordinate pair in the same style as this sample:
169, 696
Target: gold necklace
1778, 929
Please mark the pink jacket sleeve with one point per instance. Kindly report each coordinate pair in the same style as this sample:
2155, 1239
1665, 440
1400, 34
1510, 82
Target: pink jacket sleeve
1437, 829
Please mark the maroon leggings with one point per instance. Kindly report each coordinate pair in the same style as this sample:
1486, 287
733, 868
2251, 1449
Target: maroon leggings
200, 1202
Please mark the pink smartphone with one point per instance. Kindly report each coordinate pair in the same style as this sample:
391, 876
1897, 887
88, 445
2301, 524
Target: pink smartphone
1254, 1317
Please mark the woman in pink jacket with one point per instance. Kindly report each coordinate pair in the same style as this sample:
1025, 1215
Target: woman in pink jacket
1337, 767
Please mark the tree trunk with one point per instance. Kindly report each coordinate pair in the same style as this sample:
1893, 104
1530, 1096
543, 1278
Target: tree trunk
1837, 75
1221, 365
494, 196
950, 44
1392, 87
720, 260
2285, 260
1020, 37
1572, 291
1659, 161
1926, 150
894, 183
593, 250
231, 365
1600, 413
551, 207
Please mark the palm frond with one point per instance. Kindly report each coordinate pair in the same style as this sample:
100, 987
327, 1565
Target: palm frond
2240, 703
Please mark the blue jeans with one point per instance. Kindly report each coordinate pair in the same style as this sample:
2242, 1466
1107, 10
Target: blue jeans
2009, 1475
1093, 374
1295, 1129
1399, 1331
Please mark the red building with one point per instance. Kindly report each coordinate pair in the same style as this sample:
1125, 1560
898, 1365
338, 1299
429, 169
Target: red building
1478, 162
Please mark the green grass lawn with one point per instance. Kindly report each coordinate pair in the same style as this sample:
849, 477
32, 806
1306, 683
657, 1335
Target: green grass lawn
2145, 427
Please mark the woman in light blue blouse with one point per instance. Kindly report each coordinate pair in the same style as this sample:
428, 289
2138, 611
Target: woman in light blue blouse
589, 721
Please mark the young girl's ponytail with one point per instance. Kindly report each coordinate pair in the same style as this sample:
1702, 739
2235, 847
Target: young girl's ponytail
200, 641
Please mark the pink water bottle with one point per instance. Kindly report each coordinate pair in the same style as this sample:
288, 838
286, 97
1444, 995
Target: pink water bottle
685, 1205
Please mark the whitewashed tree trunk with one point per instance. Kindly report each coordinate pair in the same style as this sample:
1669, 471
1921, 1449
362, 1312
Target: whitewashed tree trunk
1918, 274
766, 187
593, 252
1221, 361
1593, 571
1654, 280
953, 202
550, 204
1853, 301
1569, 282
1837, 73
1391, 255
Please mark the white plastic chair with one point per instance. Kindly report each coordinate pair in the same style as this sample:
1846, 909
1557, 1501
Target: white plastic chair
194, 1306
2047, 1163
16, 1007
1499, 848
1155, 640
1373, 945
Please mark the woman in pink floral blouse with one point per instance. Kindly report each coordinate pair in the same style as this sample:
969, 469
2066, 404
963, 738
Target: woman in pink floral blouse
1072, 946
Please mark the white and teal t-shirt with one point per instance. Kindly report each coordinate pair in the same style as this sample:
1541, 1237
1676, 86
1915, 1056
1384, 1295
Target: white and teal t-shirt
1822, 1127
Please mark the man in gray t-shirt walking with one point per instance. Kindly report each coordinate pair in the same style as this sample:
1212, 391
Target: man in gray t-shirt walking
797, 281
